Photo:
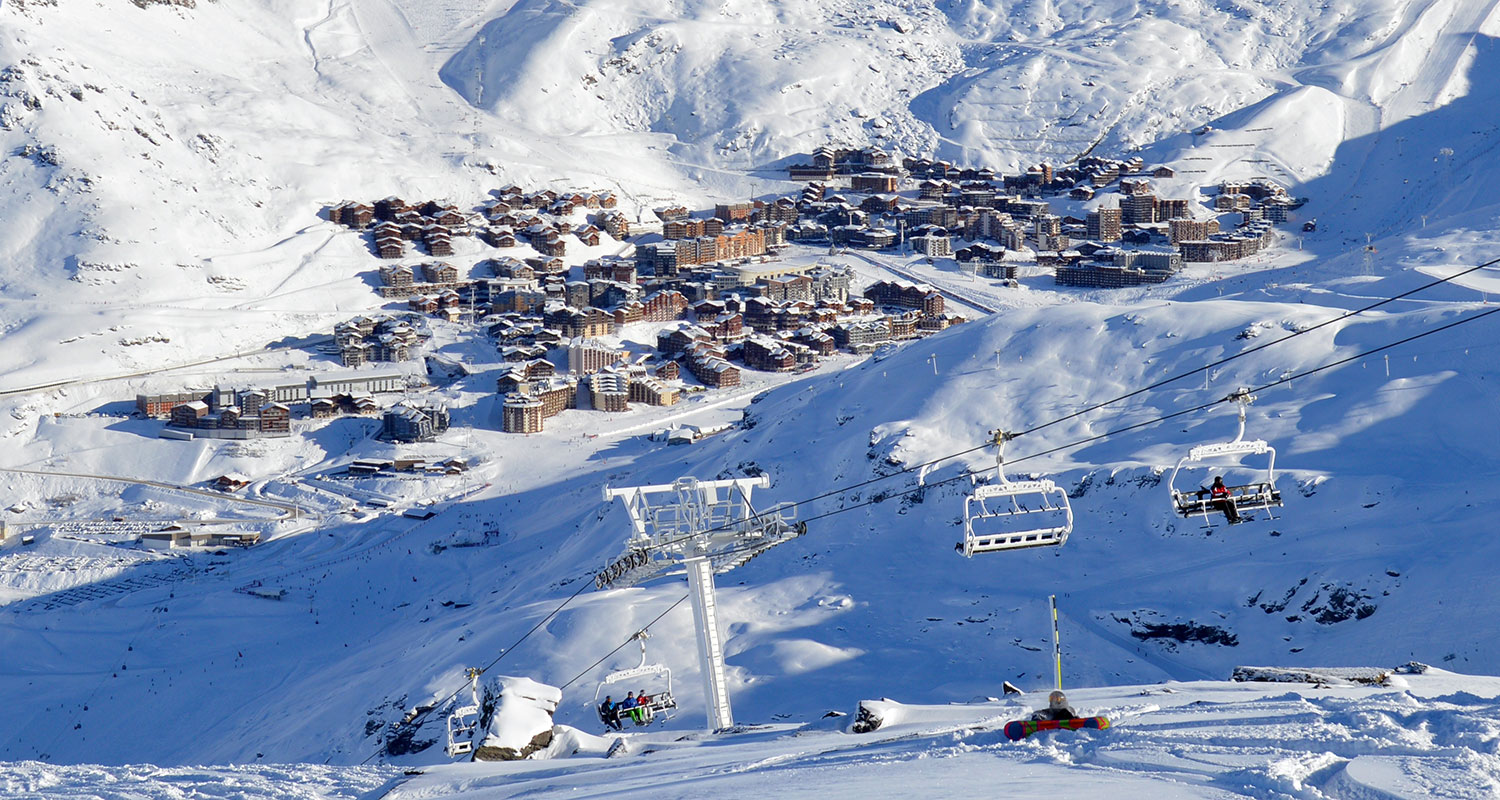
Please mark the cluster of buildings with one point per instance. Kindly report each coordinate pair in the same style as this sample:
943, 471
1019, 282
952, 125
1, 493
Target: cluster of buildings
784, 322
231, 411
411, 422
533, 392
513, 216
394, 223
538, 218
738, 307
365, 339
853, 201
667, 258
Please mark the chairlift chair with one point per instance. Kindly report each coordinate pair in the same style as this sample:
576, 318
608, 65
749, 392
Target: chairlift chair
1012, 515
1246, 497
464, 720
661, 704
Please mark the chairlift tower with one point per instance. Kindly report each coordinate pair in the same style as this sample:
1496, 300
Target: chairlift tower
698, 528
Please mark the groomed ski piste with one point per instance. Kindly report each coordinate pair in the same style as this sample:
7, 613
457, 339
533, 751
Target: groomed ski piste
132, 674
1422, 735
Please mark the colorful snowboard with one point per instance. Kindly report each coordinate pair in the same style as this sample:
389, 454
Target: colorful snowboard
1022, 728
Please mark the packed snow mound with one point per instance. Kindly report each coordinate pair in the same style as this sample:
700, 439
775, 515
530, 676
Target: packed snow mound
42, 781
522, 721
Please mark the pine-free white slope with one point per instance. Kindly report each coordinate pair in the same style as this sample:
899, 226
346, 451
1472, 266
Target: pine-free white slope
867, 596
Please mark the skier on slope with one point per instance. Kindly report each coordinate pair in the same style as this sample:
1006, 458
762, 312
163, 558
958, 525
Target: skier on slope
1057, 708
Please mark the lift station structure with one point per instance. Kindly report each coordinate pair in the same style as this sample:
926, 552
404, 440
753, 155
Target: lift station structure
700, 529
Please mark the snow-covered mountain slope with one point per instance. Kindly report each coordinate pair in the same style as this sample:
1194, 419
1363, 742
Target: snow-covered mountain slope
165, 170
1386, 511
174, 159
1191, 740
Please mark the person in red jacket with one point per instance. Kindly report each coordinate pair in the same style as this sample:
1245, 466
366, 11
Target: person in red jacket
1223, 499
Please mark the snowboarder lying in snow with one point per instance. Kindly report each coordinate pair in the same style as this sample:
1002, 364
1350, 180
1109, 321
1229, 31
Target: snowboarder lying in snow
1057, 708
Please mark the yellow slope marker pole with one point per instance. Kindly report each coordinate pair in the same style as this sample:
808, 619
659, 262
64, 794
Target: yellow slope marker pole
1056, 643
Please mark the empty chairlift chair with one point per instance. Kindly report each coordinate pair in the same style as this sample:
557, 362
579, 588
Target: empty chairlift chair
1227, 457
464, 720
1011, 515
661, 703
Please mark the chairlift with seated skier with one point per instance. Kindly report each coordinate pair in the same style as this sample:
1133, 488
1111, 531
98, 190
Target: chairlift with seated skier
659, 704
464, 720
1230, 499
1011, 515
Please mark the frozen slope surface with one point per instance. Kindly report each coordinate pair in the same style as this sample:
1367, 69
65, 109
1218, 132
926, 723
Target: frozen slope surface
1426, 736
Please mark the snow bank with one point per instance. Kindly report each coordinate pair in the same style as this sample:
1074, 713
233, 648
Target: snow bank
522, 722
569, 741
1322, 676
885, 713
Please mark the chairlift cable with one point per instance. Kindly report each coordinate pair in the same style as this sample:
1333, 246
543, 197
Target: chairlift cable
1103, 404
1160, 383
588, 580
416, 718
622, 645
1258, 348
1078, 443
1157, 420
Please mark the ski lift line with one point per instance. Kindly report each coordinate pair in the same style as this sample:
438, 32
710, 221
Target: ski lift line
1097, 406
622, 645
1259, 347
647, 627
965, 475
419, 716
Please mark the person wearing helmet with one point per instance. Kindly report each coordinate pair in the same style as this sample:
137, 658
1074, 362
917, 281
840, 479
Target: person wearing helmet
1057, 708
1221, 497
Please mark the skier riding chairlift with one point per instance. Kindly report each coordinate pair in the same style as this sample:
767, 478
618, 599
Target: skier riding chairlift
463, 722
1232, 500
1224, 499
640, 709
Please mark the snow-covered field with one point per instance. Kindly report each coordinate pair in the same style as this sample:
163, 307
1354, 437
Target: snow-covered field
1421, 736
165, 169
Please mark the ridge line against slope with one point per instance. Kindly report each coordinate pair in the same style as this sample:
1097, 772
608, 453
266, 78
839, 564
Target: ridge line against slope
588, 579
